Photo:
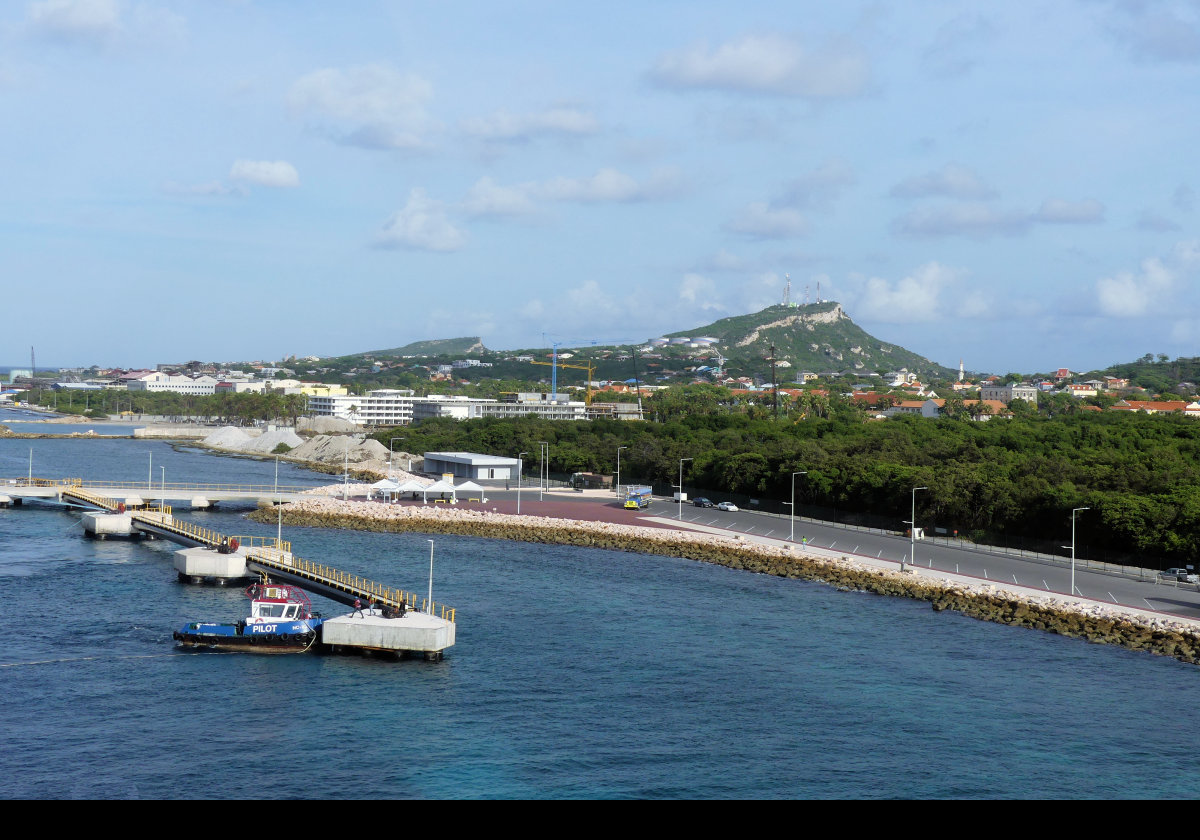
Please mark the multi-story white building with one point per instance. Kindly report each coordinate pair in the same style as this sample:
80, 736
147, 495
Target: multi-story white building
1008, 393
158, 381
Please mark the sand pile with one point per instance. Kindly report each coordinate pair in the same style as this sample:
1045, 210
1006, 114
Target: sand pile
325, 425
334, 449
228, 437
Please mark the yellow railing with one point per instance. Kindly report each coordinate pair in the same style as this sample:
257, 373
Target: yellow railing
263, 542
266, 489
351, 584
94, 498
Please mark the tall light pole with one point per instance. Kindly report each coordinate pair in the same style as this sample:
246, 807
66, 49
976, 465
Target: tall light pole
681, 460
618, 487
31, 465
430, 576
520, 469
150, 474
544, 449
278, 508
792, 532
912, 529
162, 503
1073, 512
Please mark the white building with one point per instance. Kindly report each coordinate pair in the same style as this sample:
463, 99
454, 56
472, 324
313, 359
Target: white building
158, 381
1008, 393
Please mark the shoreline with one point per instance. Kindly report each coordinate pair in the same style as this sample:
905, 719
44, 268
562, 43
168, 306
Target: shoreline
1094, 622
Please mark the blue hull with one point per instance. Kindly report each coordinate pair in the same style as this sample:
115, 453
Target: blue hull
267, 637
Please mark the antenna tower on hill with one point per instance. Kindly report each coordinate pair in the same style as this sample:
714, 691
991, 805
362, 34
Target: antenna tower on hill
787, 290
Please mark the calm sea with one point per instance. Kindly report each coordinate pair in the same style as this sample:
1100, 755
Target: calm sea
577, 673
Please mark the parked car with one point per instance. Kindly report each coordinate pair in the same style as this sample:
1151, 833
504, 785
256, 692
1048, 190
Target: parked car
702, 502
1181, 575
730, 506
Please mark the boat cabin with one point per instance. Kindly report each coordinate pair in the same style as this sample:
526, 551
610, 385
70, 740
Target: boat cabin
278, 602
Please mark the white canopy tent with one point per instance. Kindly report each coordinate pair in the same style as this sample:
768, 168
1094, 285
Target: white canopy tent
468, 487
441, 487
384, 487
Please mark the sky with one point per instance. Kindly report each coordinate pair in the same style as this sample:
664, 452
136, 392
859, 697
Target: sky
1011, 184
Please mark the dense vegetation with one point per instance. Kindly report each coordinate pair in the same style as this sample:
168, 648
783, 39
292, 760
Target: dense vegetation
233, 409
989, 480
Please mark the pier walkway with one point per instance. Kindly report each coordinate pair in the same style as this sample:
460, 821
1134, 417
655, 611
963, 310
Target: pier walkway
261, 555
198, 495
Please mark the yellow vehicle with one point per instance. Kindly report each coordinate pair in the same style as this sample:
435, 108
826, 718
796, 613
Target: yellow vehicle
637, 498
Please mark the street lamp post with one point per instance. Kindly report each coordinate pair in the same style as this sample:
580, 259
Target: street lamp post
792, 532
278, 509
430, 576
163, 501
618, 487
150, 474
912, 529
1073, 512
543, 449
520, 469
681, 460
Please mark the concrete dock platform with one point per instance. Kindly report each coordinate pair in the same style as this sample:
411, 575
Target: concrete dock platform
199, 564
416, 632
103, 525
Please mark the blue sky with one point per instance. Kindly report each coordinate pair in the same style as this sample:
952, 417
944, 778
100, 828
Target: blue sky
1010, 184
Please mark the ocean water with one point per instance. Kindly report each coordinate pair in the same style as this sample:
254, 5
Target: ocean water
577, 674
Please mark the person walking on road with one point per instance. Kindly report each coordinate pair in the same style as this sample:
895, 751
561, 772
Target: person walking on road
358, 608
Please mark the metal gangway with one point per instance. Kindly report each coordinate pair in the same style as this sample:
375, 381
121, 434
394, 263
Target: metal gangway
265, 555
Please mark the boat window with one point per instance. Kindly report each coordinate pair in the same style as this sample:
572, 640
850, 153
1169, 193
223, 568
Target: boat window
270, 610
290, 612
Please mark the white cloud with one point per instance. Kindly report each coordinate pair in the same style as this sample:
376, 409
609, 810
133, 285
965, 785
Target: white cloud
767, 64
1151, 290
759, 220
506, 126
373, 106
1058, 211
611, 185
421, 225
605, 185
1157, 31
265, 173
912, 299
1129, 294
76, 20
212, 188
977, 221
954, 51
819, 188
952, 181
700, 291
1149, 220
487, 198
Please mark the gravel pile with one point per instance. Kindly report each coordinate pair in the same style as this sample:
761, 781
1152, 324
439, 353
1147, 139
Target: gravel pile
266, 444
228, 437
333, 449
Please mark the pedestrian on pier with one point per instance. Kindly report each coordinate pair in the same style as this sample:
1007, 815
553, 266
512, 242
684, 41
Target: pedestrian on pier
358, 608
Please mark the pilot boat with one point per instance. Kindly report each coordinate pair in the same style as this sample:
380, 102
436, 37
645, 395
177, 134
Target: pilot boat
281, 620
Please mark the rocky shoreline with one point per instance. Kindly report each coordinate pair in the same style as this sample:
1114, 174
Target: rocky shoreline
1067, 617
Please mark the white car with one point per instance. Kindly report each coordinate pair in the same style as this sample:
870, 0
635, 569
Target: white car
730, 506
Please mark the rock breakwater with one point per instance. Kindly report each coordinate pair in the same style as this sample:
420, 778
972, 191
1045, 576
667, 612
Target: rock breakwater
1067, 617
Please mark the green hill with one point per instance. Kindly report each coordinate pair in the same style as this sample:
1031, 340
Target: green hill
437, 347
816, 337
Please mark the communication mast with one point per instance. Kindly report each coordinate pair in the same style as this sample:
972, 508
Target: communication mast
787, 290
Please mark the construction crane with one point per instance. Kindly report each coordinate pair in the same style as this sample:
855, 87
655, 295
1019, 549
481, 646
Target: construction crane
589, 367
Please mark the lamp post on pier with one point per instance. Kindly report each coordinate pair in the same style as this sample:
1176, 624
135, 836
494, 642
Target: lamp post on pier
162, 503
792, 531
618, 487
430, 607
520, 470
681, 460
1073, 512
912, 530
544, 449
150, 474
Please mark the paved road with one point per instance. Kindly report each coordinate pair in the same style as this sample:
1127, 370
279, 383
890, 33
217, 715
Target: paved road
1052, 576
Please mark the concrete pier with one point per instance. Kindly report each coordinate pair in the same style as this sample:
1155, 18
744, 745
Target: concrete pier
199, 564
415, 633
104, 525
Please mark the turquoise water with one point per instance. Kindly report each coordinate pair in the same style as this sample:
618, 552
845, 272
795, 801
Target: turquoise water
577, 673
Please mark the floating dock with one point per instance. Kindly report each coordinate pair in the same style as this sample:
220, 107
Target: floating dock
402, 624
